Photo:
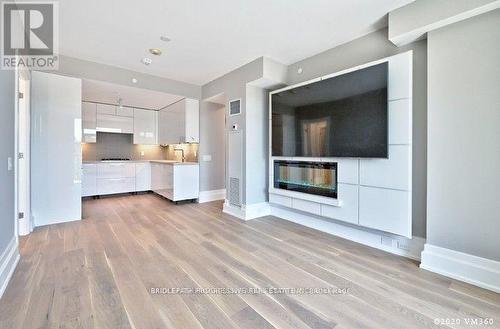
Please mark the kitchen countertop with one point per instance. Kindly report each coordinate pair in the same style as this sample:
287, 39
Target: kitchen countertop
173, 162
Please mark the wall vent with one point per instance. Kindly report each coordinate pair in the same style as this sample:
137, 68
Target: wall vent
235, 107
234, 191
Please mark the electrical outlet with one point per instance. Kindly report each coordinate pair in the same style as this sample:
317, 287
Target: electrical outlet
142, 153
9, 164
207, 157
404, 245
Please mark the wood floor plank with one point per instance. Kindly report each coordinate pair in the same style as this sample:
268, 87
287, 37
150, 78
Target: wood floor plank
102, 272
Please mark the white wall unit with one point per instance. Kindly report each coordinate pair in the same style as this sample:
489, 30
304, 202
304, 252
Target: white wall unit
375, 193
385, 210
179, 123
145, 127
56, 156
394, 172
114, 124
89, 122
142, 176
89, 179
348, 212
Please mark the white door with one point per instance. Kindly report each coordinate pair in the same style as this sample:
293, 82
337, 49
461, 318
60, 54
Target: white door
56, 152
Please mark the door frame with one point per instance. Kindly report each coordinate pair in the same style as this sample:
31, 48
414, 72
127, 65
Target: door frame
23, 226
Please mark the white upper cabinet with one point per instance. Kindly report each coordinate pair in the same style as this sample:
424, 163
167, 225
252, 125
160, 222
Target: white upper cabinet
145, 127
106, 109
179, 123
89, 122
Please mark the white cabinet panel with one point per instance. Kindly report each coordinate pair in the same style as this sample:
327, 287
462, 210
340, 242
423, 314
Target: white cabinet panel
89, 180
399, 79
186, 182
142, 176
145, 124
125, 111
106, 109
116, 170
307, 206
115, 124
115, 185
192, 124
179, 123
280, 199
89, 122
347, 170
385, 210
348, 212
400, 121
394, 172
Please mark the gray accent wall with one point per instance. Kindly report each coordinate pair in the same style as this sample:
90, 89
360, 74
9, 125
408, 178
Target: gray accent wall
463, 195
366, 49
7, 143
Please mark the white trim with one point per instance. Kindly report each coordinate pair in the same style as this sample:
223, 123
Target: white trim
481, 272
247, 212
371, 238
213, 195
8, 262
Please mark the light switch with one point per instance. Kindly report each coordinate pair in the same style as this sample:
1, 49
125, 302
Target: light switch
9, 163
207, 157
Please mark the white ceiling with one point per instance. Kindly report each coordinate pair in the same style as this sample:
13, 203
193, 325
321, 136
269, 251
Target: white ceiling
211, 37
109, 93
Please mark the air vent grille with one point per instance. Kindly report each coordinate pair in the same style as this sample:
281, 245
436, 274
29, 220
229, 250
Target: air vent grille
234, 191
235, 107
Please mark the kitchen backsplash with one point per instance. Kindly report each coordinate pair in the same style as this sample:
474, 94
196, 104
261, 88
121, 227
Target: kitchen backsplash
111, 145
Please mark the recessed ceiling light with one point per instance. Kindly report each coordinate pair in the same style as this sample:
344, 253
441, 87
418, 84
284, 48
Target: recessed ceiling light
134, 80
155, 51
146, 61
300, 70
164, 38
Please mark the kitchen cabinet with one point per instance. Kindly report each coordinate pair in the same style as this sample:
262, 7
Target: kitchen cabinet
89, 179
179, 123
116, 177
89, 122
142, 176
175, 182
145, 127
114, 124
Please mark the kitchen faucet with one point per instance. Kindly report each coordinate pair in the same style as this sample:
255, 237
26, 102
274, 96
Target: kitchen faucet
183, 157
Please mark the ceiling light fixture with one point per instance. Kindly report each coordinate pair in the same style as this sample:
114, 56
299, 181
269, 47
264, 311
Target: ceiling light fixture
155, 51
146, 61
134, 80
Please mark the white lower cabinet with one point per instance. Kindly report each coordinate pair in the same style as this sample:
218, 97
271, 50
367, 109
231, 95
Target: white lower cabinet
142, 177
115, 185
175, 182
89, 179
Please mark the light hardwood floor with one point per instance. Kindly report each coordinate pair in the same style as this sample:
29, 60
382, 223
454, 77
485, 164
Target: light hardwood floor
98, 273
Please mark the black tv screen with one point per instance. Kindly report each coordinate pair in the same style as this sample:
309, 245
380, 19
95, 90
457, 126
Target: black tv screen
342, 116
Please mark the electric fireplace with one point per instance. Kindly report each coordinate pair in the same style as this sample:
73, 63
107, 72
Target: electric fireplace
318, 178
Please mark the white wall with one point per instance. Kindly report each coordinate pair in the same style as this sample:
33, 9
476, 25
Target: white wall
463, 194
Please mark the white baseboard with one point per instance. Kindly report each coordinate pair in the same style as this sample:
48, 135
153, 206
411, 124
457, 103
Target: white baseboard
399, 245
247, 212
213, 195
8, 263
481, 272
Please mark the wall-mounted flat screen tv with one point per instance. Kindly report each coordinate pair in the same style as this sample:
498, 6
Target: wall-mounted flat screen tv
341, 116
